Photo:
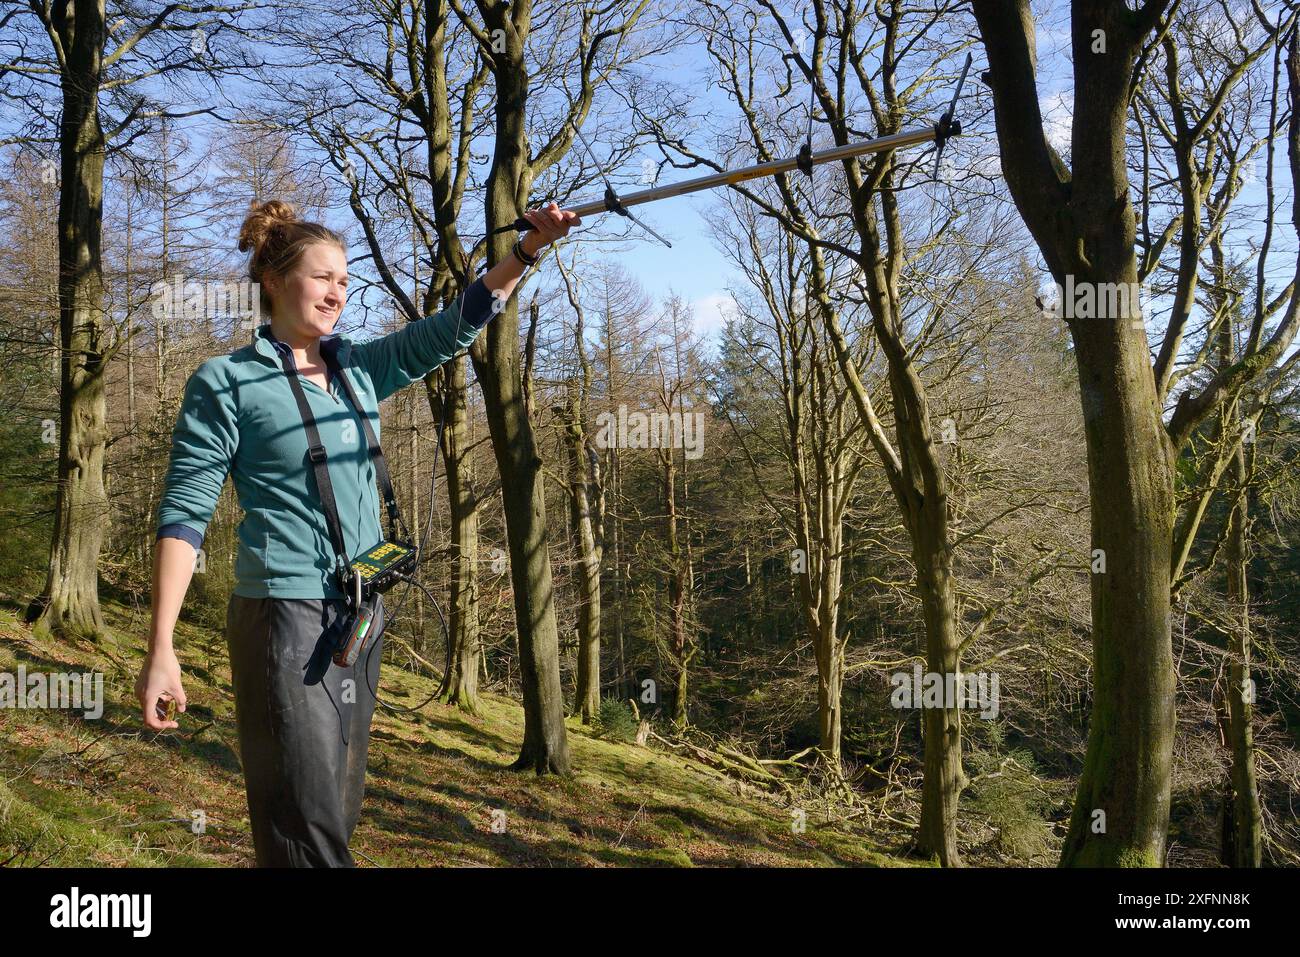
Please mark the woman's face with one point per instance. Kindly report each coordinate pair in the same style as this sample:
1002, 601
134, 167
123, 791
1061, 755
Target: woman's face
308, 300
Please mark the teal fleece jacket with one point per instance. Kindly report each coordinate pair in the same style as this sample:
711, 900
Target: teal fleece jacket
239, 417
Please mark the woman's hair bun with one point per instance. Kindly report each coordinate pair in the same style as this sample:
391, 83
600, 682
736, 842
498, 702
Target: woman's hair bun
262, 219
278, 237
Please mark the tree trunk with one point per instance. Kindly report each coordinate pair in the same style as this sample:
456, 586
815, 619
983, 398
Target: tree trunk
588, 601
1084, 223
1247, 827
678, 636
626, 687
69, 602
944, 779
496, 361
413, 481
830, 684
586, 513
587, 546
463, 624
819, 587
1126, 773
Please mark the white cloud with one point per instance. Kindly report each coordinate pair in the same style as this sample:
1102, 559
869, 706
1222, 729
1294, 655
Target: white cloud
710, 311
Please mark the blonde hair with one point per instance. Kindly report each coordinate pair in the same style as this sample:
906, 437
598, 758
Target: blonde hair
278, 239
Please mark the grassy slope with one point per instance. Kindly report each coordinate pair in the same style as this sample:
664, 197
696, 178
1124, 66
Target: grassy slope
105, 793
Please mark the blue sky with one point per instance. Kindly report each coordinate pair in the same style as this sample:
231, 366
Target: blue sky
694, 268
698, 272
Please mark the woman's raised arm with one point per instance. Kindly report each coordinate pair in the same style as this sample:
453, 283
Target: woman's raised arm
396, 360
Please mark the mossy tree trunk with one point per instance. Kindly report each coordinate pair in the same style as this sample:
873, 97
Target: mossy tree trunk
69, 602
1084, 223
496, 356
463, 624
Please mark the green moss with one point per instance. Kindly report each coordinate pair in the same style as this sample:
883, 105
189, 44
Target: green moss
643, 857
668, 857
672, 824
56, 829
1136, 857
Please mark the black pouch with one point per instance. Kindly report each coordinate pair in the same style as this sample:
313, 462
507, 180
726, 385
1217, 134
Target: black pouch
363, 628
350, 636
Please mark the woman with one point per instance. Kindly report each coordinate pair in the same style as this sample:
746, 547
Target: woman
302, 743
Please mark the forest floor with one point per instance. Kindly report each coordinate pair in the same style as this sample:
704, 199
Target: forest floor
108, 793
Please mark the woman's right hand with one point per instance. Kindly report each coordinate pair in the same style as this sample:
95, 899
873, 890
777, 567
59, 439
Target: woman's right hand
159, 675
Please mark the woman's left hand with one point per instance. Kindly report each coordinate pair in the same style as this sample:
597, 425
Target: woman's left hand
549, 224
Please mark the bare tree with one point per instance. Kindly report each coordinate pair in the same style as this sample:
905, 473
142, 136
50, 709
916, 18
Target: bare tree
821, 444
85, 68
586, 493
1083, 220
873, 65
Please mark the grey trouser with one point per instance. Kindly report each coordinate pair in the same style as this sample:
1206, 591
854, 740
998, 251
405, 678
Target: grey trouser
303, 747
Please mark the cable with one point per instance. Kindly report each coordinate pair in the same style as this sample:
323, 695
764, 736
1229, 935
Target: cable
446, 665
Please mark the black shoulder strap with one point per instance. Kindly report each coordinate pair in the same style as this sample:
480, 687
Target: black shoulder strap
316, 452
376, 453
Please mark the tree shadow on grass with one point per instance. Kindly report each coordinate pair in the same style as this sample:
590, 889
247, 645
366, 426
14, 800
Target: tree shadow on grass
443, 824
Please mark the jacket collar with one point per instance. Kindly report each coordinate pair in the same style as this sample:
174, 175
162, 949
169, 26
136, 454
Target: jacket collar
333, 344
